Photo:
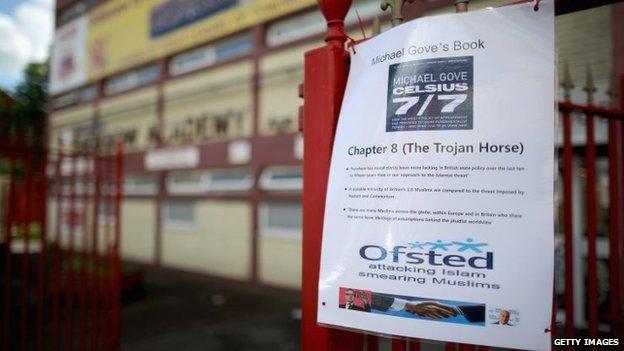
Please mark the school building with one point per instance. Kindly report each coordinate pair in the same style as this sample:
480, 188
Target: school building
205, 96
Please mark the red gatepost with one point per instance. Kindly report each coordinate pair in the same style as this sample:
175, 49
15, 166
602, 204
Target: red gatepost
325, 78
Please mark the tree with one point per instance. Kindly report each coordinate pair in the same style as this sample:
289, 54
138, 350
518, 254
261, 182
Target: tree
24, 118
31, 93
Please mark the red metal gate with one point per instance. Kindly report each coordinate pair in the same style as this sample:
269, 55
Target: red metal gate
326, 71
61, 274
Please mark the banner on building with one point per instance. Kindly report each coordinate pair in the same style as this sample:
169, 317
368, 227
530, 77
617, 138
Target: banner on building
127, 33
68, 68
120, 34
439, 214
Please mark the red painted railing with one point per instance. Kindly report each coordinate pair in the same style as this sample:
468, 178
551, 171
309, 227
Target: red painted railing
326, 71
71, 301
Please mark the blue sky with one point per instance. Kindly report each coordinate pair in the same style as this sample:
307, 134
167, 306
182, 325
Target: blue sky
26, 29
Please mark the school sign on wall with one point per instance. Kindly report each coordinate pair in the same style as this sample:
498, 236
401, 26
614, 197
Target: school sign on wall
119, 34
439, 214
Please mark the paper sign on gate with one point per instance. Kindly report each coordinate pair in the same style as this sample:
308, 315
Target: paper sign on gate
439, 214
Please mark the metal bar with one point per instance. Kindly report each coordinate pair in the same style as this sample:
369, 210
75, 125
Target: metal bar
553, 316
567, 225
8, 269
116, 325
24, 223
95, 258
372, 343
399, 345
450, 346
614, 226
610, 113
56, 269
82, 325
621, 175
592, 258
414, 345
69, 281
258, 35
104, 283
107, 275
41, 280
466, 347
325, 77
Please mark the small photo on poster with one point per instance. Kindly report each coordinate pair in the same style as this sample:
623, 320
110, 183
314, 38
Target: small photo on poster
430, 94
354, 299
458, 312
505, 317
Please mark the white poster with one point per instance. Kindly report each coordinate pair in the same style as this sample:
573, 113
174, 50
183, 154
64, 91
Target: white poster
439, 216
68, 62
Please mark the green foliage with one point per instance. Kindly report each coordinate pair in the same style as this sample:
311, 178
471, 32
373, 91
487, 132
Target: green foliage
24, 121
31, 93
34, 231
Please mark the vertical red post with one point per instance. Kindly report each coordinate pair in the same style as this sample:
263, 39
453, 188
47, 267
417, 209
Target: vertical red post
95, 258
8, 270
553, 315
116, 264
592, 259
106, 282
621, 176
24, 225
450, 346
56, 269
399, 345
372, 343
325, 77
567, 225
82, 324
614, 225
621, 215
69, 281
41, 280
414, 345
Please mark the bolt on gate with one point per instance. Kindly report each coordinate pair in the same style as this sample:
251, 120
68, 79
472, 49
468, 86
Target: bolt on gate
326, 72
61, 276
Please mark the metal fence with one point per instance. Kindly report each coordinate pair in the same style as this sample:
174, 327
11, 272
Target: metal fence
61, 280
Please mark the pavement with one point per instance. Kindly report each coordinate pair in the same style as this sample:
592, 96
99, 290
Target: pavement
187, 314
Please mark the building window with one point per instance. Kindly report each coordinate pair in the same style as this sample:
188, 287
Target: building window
106, 211
233, 47
179, 214
228, 180
210, 54
197, 182
281, 219
312, 23
184, 182
284, 178
140, 184
86, 94
132, 79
